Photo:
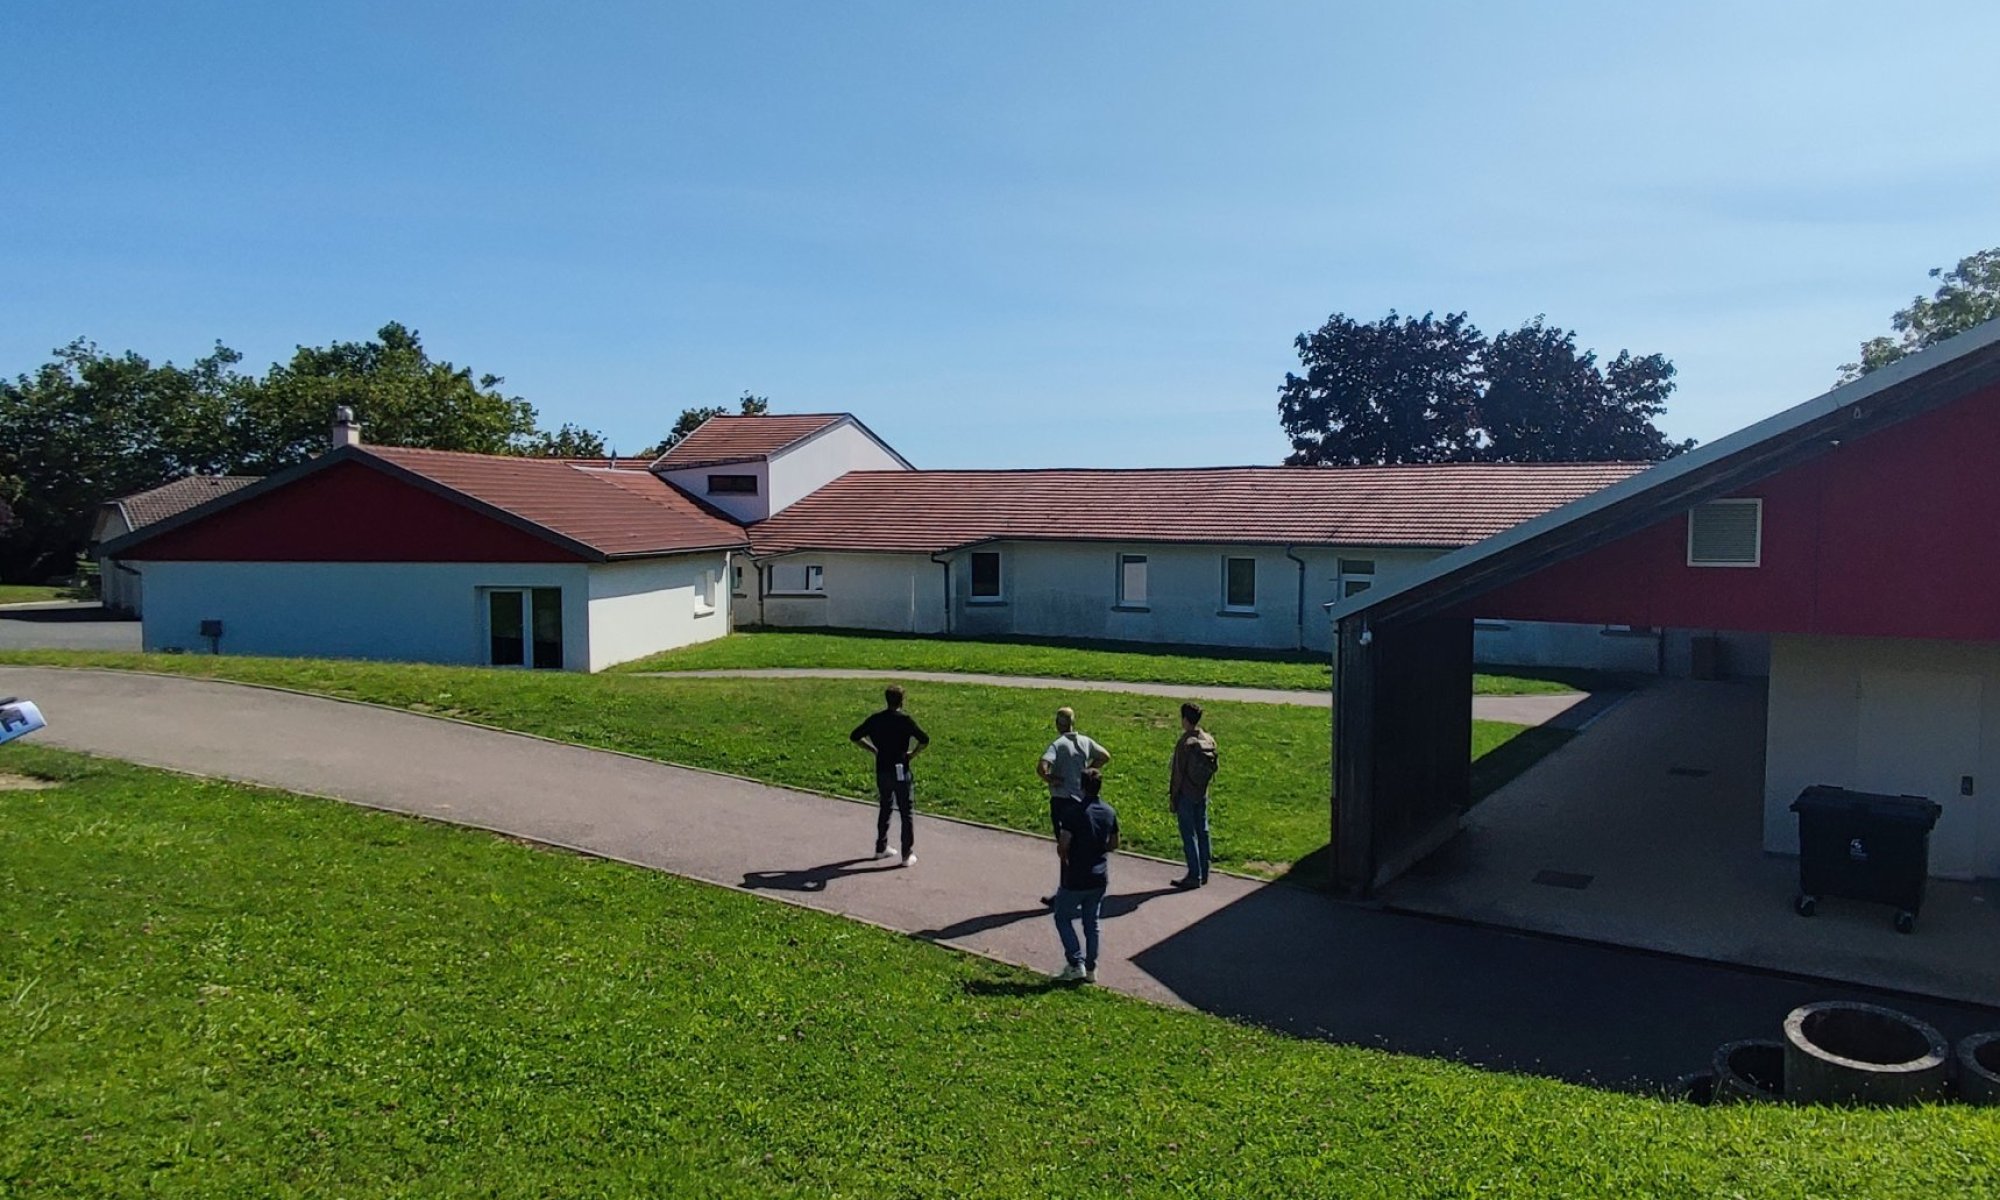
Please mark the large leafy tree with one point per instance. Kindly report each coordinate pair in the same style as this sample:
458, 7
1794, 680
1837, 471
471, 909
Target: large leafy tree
1967, 295
1430, 389
691, 419
570, 441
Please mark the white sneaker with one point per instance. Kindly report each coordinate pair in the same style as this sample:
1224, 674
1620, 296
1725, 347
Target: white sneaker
1071, 973
1090, 974
910, 859
883, 853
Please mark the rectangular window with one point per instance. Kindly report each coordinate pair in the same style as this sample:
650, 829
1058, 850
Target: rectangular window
797, 579
986, 575
1131, 581
704, 593
732, 485
1726, 533
736, 578
1239, 584
1356, 576
524, 628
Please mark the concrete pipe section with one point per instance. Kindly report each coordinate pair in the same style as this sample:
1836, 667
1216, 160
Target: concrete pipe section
1843, 1052
1750, 1071
1979, 1069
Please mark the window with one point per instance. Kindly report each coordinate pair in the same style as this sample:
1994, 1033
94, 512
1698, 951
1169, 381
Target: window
797, 579
1726, 533
986, 575
1239, 584
1356, 576
732, 485
524, 628
1131, 581
736, 578
704, 593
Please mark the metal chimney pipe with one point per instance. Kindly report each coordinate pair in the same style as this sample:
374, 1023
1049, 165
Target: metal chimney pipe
346, 430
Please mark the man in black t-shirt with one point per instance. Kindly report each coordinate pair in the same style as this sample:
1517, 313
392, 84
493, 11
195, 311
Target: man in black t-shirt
1088, 836
894, 739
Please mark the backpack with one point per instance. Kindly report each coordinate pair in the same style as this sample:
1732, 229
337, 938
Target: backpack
1201, 765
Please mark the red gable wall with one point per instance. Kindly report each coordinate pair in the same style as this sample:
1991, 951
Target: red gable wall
349, 513
1896, 535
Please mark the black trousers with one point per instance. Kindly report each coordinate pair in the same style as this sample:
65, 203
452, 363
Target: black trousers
893, 793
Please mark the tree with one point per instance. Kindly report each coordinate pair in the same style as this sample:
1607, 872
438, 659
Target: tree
401, 396
1546, 401
691, 419
571, 441
1402, 389
1429, 389
1969, 295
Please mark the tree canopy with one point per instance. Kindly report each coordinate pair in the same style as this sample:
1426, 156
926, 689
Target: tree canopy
88, 427
1434, 389
691, 419
1967, 295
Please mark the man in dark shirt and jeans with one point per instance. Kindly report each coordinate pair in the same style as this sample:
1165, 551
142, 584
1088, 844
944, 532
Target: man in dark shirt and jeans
1088, 835
894, 739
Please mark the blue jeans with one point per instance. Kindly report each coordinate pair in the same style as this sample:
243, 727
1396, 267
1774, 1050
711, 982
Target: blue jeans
1193, 818
1069, 906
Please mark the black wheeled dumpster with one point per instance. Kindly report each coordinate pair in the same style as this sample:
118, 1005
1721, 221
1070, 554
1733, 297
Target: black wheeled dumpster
1863, 846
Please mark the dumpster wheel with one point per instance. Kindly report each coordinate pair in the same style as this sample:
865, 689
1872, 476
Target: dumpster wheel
1805, 905
1905, 922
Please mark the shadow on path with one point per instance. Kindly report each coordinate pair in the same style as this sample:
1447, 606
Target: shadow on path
64, 613
1115, 905
1303, 963
815, 879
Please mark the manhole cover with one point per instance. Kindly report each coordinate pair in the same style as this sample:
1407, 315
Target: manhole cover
1688, 772
1564, 879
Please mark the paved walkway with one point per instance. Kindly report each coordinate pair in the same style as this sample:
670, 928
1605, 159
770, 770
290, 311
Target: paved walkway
1282, 956
1566, 709
65, 625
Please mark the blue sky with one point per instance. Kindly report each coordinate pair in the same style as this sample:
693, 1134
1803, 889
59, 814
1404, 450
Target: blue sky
1006, 234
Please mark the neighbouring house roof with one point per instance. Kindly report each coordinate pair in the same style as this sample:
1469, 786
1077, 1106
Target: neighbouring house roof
1434, 506
153, 505
722, 440
1904, 389
599, 513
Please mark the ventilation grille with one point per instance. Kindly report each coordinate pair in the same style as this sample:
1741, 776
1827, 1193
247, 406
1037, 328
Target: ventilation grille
1726, 533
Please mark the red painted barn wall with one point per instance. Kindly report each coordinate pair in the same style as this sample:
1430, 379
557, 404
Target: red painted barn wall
349, 513
1895, 535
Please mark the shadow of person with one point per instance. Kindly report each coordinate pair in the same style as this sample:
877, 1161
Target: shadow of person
815, 879
1017, 987
1115, 905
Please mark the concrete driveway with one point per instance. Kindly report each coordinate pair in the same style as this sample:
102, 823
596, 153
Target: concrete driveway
65, 625
1282, 956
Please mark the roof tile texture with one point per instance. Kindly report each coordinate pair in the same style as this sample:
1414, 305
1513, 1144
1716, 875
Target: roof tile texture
172, 499
1419, 506
742, 439
615, 512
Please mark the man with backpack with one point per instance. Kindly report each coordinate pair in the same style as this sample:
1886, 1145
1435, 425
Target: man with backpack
1062, 766
1194, 765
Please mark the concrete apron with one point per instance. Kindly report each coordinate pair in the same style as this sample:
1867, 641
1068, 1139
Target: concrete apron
1647, 831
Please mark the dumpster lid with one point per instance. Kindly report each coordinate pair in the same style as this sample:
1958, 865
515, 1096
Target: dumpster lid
1824, 798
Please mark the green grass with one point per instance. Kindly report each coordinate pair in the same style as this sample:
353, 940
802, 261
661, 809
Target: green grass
214, 991
31, 593
1270, 801
1121, 662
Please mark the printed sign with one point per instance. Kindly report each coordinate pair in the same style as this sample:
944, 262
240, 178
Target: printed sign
19, 718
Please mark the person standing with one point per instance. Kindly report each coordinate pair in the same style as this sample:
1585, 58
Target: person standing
1188, 777
1088, 835
1062, 766
894, 739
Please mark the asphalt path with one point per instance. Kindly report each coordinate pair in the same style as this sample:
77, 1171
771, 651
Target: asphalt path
1278, 955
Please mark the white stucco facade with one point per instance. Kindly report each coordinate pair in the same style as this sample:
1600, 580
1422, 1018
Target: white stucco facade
426, 612
791, 474
118, 588
1900, 716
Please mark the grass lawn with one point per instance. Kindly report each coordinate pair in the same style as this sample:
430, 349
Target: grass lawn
1124, 662
1270, 805
31, 593
214, 991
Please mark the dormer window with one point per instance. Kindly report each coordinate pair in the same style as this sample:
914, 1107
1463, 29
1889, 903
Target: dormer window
732, 485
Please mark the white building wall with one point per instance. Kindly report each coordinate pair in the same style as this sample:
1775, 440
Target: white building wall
401, 612
819, 460
118, 589
744, 508
649, 605
898, 593
1814, 733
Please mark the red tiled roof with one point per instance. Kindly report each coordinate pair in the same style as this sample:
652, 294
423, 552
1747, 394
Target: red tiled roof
728, 439
1431, 506
614, 512
171, 499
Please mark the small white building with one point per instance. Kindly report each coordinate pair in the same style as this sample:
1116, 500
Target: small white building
118, 586
429, 556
